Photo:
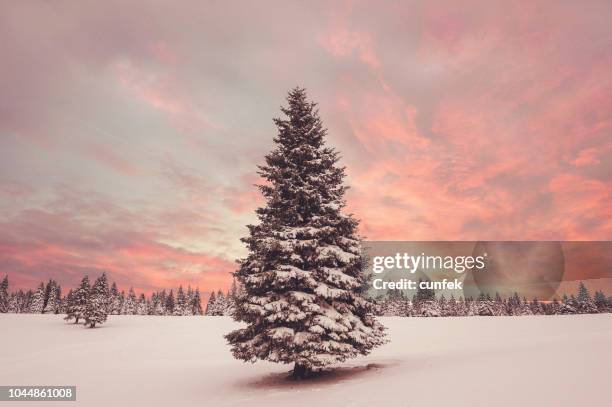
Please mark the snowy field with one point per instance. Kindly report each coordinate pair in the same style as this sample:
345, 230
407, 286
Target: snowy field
184, 361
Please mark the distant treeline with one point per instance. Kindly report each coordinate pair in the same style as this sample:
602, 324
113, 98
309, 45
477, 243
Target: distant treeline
425, 304
48, 299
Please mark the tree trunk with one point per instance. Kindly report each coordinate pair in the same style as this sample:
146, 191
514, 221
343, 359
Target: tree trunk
92, 325
300, 372
76, 320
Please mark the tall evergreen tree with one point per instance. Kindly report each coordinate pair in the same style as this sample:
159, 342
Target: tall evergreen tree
303, 277
75, 308
96, 310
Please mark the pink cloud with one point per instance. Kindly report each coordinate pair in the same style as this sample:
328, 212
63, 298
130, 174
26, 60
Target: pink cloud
586, 157
161, 90
112, 159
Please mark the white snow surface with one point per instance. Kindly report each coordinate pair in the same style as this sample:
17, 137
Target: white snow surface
184, 361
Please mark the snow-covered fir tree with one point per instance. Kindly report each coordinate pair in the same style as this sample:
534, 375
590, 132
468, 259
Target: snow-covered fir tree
450, 308
601, 301
210, 305
484, 307
181, 302
38, 300
189, 301
20, 302
568, 306
585, 303
141, 307
536, 307
114, 307
430, 308
170, 304
218, 304
425, 304
157, 304
222, 305
396, 306
53, 297
122, 298
13, 303
4, 295
96, 310
130, 303
303, 278
67, 301
75, 308
196, 303
423, 293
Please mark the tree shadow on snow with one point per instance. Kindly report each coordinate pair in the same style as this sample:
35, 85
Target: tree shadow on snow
330, 376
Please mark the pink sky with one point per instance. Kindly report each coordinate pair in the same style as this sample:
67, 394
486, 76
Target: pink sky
130, 132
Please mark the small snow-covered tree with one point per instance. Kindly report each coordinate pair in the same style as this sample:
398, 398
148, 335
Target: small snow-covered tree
96, 310
13, 303
303, 299
67, 301
210, 305
424, 293
4, 295
130, 303
170, 303
38, 300
196, 303
513, 305
52, 297
585, 303
114, 307
25, 301
141, 307
218, 304
159, 308
428, 308
600, 301
181, 302
189, 301
75, 309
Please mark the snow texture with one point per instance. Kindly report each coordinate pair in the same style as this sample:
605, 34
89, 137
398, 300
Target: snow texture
166, 361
